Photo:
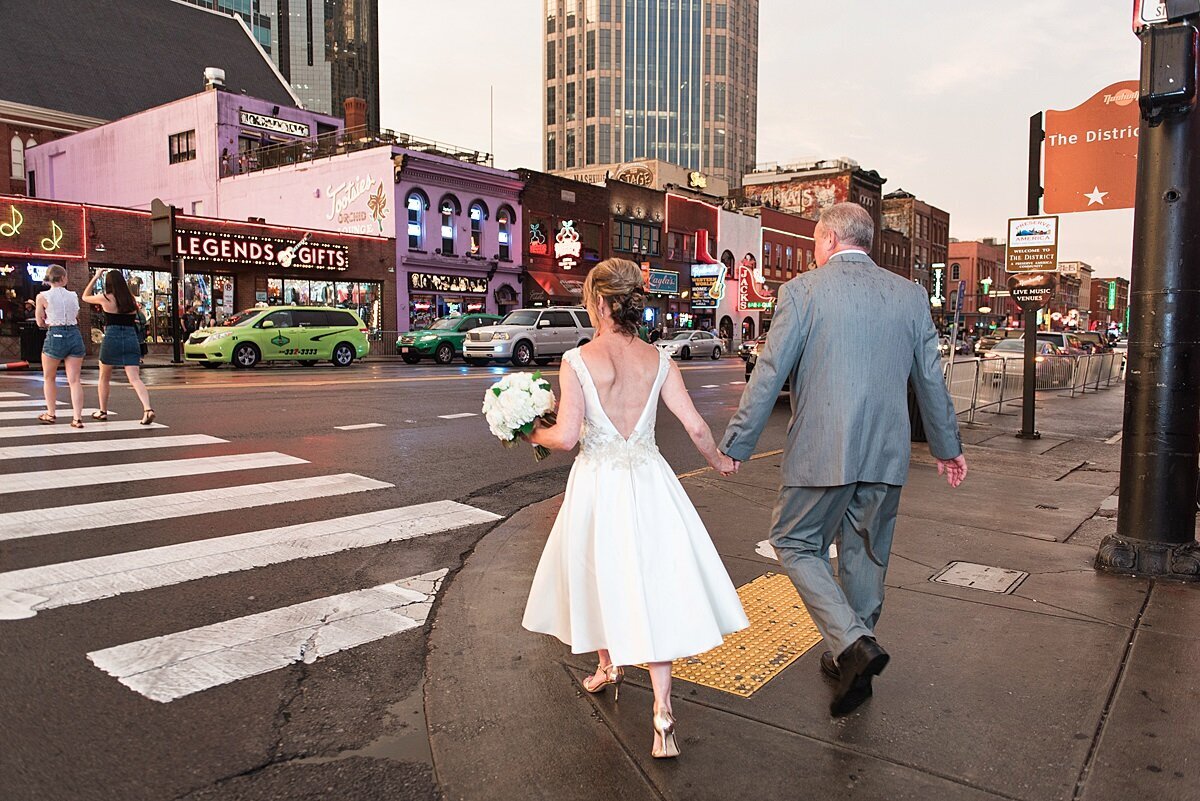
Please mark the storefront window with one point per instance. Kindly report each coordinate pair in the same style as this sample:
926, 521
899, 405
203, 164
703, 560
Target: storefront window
16, 288
422, 312
365, 298
152, 291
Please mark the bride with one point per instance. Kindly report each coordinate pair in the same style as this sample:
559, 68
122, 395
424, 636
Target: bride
629, 570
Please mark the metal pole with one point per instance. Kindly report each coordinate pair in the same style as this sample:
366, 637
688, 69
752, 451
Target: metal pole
1156, 523
1033, 208
176, 327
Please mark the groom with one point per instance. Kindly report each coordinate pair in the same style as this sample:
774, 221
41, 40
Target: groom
850, 336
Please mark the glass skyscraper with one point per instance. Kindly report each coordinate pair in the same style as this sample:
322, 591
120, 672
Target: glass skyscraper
675, 80
327, 50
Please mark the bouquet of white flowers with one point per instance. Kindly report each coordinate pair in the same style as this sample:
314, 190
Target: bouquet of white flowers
514, 404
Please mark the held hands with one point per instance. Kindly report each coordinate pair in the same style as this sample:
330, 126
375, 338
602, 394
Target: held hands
955, 470
724, 465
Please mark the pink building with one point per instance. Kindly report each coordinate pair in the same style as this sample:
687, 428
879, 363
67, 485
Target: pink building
178, 151
456, 221
225, 155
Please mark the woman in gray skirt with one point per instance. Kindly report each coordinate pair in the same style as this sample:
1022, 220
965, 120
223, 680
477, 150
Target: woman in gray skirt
121, 346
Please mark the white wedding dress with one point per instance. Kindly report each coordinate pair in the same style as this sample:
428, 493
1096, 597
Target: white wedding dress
629, 566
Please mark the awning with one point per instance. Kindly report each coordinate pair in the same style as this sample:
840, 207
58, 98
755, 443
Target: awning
570, 289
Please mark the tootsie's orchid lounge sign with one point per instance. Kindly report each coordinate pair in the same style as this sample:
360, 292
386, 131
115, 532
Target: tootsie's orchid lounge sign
233, 248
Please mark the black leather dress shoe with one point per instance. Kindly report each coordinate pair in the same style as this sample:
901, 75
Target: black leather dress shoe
829, 666
857, 665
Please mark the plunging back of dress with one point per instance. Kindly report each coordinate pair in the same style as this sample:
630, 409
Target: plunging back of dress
601, 442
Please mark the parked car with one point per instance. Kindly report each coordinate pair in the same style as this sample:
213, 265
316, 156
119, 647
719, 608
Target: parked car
753, 360
1051, 370
1067, 343
443, 340
306, 334
1094, 342
529, 336
686, 344
751, 346
989, 340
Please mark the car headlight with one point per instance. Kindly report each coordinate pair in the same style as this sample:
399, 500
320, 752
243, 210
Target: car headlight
500, 335
218, 337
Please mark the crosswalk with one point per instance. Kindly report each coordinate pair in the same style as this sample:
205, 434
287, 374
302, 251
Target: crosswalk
178, 663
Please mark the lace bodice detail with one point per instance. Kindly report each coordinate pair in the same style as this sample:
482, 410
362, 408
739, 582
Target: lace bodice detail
600, 442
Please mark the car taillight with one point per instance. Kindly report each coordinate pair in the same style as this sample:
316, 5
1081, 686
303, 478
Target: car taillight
363, 330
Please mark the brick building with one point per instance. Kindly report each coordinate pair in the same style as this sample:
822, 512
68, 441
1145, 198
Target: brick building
980, 266
567, 231
230, 265
786, 251
809, 188
1079, 315
639, 215
927, 228
896, 253
1109, 303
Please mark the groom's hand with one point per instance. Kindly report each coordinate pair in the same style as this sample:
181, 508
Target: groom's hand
955, 470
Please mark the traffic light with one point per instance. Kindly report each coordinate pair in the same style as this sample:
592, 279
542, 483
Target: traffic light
162, 228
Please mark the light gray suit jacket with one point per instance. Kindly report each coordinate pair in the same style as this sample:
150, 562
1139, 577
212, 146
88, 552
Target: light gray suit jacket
850, 336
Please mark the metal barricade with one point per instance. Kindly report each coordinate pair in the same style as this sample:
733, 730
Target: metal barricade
991, 385
383, 344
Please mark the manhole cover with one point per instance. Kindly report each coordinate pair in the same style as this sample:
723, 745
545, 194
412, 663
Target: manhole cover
980, 577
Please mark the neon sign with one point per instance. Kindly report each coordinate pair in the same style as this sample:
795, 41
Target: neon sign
39, 228
567, 247
537, 240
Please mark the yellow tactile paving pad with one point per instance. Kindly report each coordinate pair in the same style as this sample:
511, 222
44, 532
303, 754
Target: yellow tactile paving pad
780, 632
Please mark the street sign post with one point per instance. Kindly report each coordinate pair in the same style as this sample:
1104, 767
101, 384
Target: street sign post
162, 239
1032, 253
1160, 446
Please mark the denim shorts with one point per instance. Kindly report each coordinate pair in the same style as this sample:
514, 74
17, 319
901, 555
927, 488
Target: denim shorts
63, 341
121, 346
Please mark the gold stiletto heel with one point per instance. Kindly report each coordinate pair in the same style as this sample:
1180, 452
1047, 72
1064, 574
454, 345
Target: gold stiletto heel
612, 675
664, 727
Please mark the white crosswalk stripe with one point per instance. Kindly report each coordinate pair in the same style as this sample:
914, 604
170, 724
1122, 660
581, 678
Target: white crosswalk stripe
14, 395
144, 471
185, 662
175, 665
105, 446
83, 516
32, 415
25, 592
16, 404
39, 430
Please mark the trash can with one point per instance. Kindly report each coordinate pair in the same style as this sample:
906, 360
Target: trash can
916, 424
32, 339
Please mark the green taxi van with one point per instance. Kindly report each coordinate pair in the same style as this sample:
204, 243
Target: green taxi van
304, 334
443, 340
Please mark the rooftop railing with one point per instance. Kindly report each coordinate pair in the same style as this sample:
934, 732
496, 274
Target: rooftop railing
338, 143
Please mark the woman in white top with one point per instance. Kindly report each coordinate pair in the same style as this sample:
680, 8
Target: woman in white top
628, 569
57, 310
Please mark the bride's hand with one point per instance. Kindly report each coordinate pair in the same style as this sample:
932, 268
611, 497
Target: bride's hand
725, 465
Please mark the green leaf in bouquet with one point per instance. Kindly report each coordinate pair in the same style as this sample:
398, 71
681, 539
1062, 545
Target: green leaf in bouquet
496, 391
537, 375
527, 429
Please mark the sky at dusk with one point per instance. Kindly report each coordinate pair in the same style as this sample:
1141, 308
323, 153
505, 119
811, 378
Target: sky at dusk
934, 94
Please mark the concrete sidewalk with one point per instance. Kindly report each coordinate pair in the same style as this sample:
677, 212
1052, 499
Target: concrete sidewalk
1074, 685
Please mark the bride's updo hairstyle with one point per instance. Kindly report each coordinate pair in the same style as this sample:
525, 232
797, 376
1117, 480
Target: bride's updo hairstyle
617, 284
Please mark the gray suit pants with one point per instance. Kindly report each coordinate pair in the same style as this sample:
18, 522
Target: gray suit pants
807, 521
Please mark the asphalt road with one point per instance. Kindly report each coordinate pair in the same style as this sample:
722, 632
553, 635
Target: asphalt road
348, 724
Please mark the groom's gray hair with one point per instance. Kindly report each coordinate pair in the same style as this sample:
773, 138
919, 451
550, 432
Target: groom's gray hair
852, 224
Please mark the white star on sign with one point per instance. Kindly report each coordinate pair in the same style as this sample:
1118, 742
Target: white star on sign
1095, 196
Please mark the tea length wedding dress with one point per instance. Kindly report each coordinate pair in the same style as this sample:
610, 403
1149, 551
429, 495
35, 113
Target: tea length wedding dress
629, 565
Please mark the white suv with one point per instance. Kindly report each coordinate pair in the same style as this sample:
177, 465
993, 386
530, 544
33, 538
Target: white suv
529, 336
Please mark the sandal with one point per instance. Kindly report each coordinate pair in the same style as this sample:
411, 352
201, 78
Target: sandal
47, 418
147, 417
76, 423
101, 415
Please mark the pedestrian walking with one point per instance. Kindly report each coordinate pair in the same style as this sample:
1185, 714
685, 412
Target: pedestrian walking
121, 346
629, 570
847, 451
57, 310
